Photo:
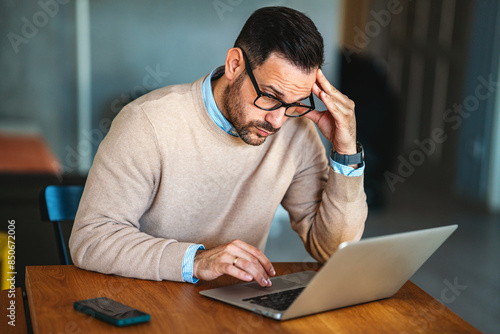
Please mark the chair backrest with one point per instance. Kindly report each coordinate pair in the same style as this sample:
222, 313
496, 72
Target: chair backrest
60, 203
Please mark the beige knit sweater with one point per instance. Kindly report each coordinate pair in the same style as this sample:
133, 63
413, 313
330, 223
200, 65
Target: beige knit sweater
166, 176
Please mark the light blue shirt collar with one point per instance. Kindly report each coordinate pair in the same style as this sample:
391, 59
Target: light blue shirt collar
213, 110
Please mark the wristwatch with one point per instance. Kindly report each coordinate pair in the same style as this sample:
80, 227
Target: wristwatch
352, 159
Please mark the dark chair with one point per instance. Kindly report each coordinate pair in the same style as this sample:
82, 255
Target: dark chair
377, 119
59, 204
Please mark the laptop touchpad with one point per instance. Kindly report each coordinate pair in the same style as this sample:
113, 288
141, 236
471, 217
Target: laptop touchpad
278, 285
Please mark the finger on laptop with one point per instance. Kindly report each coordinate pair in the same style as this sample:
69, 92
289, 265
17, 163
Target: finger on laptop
249, 264
237, 259
258, 255
245, 259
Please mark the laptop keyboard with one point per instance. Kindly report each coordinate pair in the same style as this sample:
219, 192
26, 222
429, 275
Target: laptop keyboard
278, 301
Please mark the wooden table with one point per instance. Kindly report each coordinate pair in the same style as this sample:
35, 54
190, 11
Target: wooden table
27, 154
179, 308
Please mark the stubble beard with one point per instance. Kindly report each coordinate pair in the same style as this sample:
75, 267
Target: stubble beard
236, 113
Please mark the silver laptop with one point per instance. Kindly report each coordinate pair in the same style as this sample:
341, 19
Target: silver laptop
358, 272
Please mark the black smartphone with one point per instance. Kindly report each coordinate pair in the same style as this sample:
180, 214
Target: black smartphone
111, 311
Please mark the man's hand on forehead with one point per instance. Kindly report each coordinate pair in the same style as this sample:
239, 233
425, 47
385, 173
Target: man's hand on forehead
338, 122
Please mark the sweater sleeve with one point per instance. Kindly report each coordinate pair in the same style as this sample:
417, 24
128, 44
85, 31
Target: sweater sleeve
121, 186
326, 208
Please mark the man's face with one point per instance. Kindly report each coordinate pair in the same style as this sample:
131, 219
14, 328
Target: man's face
276, 76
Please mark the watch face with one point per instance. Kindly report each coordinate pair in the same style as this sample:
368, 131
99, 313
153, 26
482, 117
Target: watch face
361, 150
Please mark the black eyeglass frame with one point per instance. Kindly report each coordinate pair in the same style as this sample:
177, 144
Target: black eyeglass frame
282, 103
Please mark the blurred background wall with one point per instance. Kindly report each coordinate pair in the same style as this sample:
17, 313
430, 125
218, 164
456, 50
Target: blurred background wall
68, 83
440, 59
423, 74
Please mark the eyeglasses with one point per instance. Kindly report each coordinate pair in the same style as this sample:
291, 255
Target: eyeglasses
269, 102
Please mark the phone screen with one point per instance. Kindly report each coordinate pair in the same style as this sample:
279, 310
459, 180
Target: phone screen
111, 311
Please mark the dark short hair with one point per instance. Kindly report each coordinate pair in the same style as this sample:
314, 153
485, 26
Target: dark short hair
286, 31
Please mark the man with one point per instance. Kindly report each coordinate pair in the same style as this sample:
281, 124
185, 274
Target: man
185, 185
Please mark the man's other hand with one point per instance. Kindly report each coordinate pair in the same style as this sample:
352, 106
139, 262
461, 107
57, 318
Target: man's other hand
237, 259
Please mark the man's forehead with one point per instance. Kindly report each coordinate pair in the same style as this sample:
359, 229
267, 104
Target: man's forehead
285, 78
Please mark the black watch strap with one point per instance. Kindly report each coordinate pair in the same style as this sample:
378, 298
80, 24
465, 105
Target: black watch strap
350, 159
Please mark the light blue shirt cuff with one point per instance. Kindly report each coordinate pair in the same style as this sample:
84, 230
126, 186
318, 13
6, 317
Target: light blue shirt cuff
187, 263
346, 170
